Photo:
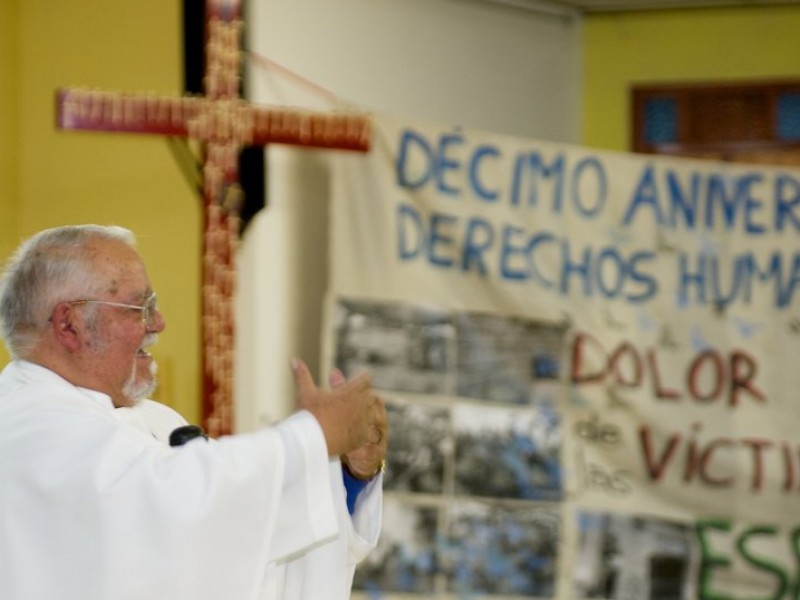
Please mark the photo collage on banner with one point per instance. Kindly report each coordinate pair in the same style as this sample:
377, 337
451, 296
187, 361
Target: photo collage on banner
584, 359
474, 447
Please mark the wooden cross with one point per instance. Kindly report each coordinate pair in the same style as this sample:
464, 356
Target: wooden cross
224, 123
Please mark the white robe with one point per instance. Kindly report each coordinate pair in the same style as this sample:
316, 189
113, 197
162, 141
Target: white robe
94, 505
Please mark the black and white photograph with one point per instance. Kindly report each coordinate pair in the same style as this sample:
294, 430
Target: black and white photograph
503, 359
427, 350
497, 550
504, 452
405, 559
405, 348
628, 557
420, 443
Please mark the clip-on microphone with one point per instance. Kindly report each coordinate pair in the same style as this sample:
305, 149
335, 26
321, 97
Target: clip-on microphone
183, 434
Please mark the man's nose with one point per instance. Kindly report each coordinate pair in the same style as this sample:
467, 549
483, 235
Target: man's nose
158, 323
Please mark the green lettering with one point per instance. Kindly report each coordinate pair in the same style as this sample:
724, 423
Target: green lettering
709, 560
761, 562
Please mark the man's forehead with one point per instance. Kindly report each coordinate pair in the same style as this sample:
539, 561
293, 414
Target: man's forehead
102, 244
120, 268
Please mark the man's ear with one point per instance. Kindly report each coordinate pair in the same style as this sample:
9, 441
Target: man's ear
64, 327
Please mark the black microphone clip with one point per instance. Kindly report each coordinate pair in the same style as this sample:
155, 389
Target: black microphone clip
183, 434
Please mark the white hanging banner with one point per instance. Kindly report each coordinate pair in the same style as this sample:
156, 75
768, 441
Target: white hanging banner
588, 362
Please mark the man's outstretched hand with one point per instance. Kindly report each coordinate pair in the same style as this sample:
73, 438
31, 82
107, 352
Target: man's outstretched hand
367, 460
348, 414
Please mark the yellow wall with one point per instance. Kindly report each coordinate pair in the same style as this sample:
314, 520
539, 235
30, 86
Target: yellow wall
8, 131
129, 180
621, 49
8, 125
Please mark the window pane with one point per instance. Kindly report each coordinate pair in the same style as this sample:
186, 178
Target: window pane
789, 116
660, 120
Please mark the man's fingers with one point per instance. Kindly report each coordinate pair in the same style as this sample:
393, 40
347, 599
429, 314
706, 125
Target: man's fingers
357, 385
377, 436
336, 378
346, 411
380, 422
304, 383
381, 416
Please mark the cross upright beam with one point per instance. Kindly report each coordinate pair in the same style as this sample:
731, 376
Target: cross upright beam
224, 123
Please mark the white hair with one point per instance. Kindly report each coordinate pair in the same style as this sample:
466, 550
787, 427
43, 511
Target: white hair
52, 266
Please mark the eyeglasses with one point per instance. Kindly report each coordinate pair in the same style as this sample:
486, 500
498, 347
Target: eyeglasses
148, 310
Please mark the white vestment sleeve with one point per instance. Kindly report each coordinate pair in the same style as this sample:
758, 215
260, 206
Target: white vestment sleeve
306, 515
366, 520
326, 571
309, 558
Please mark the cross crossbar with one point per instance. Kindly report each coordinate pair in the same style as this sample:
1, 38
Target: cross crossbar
206, 120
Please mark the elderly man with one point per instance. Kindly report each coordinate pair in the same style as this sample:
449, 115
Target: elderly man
96, 505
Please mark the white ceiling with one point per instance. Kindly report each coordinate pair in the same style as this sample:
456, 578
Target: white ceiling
618, 5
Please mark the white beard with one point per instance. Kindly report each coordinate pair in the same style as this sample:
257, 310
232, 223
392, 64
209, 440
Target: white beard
136, 391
